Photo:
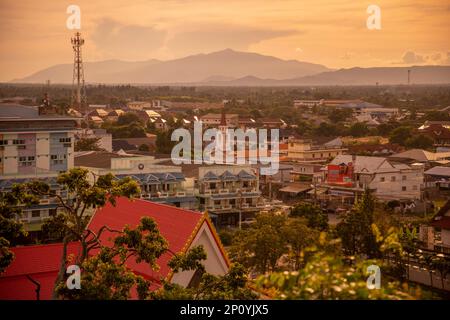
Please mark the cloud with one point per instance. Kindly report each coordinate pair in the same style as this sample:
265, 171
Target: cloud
217, 37
412, 57
127, 41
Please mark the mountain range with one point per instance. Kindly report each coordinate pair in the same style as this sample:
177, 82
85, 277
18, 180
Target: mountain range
234, 68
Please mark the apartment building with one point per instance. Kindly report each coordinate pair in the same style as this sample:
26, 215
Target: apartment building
230, 194
305, 151
159, 183
350, 175
35, 143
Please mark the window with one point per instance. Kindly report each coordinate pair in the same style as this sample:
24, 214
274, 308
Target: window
382, 179
65, 140
393, 178
3, 142
58, 158
414, 187
26, 161
52, 212
403, 188
18, 141
35, 213
403, 178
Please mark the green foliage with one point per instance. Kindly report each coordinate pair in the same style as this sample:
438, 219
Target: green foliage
269, 238
355, 229
164, 144
83, 195
144, 147
359, 130
315, 216
88, 144
232, 286
11, 230
329, 277
400, 135
128, 118
419, 141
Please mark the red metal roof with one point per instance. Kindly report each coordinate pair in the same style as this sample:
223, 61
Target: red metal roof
175, 224
41, 262
443, 223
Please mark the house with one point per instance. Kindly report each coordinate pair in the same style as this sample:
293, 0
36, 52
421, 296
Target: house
183, 229
350, 175
441, 224
230, 193
128, 144
101, 113
305, 151
148, 114
159, 183
422, 156
272, 123
114, 115
439, 177
439, 131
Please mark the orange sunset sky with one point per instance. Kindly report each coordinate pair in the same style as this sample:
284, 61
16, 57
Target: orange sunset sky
33, 33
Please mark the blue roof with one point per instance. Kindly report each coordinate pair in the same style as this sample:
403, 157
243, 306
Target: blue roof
155, 178
228, 176
244, 175
8, 183
210, 176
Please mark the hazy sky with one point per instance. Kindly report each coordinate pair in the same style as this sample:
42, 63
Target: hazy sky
33, 33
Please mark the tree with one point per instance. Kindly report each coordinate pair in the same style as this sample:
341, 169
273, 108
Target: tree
328, 277
400, 135
261, 245
298, 237
128, 118
315, 216
88, 144
355, 229
144, 147
232, 286
164, 144
339, 115
358, 130
11, 229
82, 196
420, 141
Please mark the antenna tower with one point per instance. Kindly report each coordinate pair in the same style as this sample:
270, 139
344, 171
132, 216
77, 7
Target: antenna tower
78, 99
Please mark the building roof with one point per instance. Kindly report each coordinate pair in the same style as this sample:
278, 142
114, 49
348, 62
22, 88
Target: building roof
97, 159
175, 224
439, 171
422, 155
41, 263
11, 112
362, 163
178, 226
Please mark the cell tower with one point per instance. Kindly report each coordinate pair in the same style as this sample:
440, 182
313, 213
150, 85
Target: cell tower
79, 99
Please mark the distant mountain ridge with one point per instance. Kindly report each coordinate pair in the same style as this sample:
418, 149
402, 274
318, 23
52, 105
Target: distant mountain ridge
233, 68
225, 64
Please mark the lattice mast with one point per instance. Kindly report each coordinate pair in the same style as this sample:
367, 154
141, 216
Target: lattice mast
79, 99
